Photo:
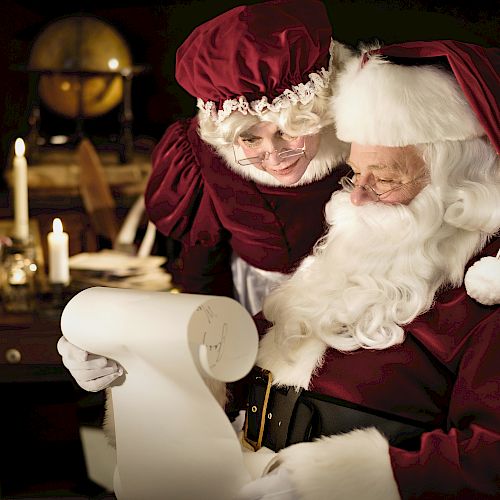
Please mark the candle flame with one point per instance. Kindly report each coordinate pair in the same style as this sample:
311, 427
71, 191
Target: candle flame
57, 226
19, 147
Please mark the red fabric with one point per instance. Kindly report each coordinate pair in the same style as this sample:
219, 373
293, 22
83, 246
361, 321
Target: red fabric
476, 70
444, 374
255, 50
193, 197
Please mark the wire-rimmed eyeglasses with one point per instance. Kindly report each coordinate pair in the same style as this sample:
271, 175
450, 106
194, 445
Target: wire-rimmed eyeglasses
282, 155
349, 185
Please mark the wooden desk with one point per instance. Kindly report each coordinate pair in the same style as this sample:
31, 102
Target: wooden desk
41, 451
28, 349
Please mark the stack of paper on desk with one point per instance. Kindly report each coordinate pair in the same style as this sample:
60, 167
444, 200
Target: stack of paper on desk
121, 270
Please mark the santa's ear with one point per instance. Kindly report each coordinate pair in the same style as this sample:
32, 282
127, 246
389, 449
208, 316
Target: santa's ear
482, 280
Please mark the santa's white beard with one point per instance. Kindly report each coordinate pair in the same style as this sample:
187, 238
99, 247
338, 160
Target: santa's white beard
378, 268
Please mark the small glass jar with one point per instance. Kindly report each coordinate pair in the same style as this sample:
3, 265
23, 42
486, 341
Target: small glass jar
17, 279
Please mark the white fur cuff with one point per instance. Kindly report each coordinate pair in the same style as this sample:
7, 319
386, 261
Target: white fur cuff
347, 466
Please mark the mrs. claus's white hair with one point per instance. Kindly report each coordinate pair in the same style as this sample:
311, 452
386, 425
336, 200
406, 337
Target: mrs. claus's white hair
299, 119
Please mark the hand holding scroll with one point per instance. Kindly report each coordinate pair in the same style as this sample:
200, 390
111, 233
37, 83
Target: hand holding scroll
91, 371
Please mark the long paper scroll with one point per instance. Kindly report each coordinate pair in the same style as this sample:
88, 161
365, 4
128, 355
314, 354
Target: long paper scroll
174, 440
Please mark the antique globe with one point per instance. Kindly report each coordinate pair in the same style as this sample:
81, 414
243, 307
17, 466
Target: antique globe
81, 60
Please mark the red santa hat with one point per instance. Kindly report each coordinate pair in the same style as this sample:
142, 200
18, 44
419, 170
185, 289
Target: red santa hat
416, 100
256, 58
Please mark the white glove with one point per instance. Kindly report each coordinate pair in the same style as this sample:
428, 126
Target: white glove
91, 371
276, 486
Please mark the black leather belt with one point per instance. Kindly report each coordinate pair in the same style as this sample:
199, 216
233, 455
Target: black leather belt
279, 417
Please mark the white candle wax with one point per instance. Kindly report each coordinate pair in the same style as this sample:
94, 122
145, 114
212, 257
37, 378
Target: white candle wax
58, 246
20, 182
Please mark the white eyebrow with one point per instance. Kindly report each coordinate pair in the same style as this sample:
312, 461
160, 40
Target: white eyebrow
391, 169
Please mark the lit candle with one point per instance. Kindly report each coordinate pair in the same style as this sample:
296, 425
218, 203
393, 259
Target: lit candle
58, 246
17, 276
20, 182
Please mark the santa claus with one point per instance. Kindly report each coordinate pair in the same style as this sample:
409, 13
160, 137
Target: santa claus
379, 373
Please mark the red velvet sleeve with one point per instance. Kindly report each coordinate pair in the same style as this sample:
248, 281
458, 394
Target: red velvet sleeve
464, 462
180, 207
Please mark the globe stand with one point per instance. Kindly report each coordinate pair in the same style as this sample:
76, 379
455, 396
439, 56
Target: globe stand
125, 142
126, 118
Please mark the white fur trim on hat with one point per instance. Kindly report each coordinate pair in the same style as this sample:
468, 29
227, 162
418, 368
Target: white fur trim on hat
482, 280
355, 465
380, 103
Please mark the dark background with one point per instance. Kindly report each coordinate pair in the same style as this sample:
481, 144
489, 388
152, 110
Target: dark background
154, 30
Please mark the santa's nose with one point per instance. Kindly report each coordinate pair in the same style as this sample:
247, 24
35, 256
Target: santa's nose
360, 196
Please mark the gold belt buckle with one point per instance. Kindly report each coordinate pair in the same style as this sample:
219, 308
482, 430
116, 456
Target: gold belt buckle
246, 441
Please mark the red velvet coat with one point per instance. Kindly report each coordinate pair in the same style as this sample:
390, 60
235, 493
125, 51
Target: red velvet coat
195, 198
446, 373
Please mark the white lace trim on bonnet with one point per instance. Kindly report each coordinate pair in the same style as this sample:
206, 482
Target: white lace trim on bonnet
303, 93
